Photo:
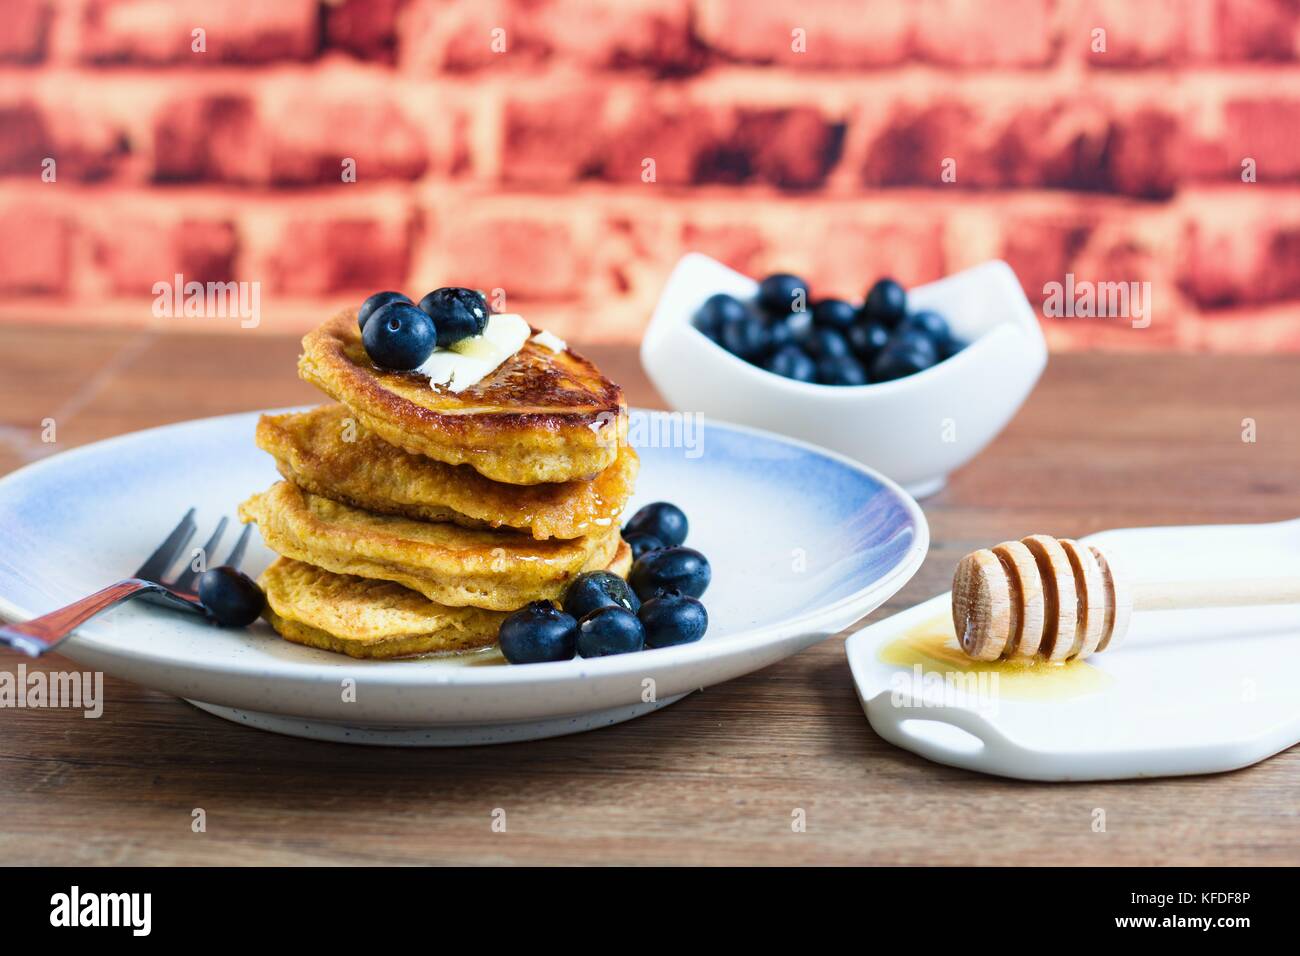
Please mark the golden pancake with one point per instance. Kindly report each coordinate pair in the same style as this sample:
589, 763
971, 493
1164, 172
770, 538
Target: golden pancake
329, 453
541, 416
498, 570
364, 618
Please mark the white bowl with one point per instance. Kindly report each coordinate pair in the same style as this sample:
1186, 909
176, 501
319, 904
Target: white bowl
916, 429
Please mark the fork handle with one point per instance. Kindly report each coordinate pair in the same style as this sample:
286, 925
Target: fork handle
43, 633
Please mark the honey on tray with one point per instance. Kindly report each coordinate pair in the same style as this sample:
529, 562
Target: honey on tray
932, 647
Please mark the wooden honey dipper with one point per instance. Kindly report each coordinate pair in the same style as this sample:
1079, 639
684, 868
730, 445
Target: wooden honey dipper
1056, 599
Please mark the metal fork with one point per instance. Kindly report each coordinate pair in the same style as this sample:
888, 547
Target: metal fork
44, 633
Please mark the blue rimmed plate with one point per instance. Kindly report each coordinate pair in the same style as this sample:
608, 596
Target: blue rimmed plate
803, 542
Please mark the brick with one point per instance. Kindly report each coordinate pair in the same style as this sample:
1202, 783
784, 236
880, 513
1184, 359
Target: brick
913, 145
1145, 154
1153, 33
651, 35
35, 251
654, 35
301, 141
1081, 144
85, 146
549, 141
1242, 258
791, 148
239, 31
24, 140
843, 256
215, 137
529, 258
1264, 130
458, 37
341, 254
1180, 32
836, 33
365, 28
684, 140
1043, 248
26, 31
1255, 30
963, 33
586, 137
135, 252
207, 250
1275, 330
738, 245
309, 139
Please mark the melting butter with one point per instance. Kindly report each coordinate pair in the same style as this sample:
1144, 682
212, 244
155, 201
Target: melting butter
551, 341
471, 360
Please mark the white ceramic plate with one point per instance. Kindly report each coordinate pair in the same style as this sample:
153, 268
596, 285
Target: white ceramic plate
803, 543
1186, 692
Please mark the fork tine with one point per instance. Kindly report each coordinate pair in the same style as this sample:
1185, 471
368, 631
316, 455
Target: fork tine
185, 580
237, 552
157, 563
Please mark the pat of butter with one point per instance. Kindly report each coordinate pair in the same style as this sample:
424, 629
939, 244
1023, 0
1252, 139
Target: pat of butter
471, 360
551, 341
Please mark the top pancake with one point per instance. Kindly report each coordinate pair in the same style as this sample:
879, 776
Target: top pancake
541, 416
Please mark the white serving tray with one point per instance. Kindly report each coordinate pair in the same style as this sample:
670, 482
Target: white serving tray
1188, 691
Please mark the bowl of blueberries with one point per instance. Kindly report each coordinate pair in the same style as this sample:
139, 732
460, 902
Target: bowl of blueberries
913, 382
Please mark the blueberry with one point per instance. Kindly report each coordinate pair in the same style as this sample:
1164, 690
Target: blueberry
835, 314
642, 543
684, 569
399, 336
716, 312
793, 362
598, 589
901, 358
800, 324
824, 343
673, 618
841, 370
376, 302
610, 630
780, 334
781, 293
930, 324
663, 520
916, 341
232, 599
747, 338
537, 633
866, 339
886, 302
457, 313
951, 347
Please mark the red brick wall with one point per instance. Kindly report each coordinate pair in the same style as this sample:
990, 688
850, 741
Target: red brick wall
523, 170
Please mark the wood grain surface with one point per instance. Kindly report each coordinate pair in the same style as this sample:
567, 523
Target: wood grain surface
1105, 441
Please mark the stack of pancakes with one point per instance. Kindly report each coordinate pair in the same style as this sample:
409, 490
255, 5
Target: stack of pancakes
413, 519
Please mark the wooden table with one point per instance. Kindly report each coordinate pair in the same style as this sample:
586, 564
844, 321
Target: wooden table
1105, 441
